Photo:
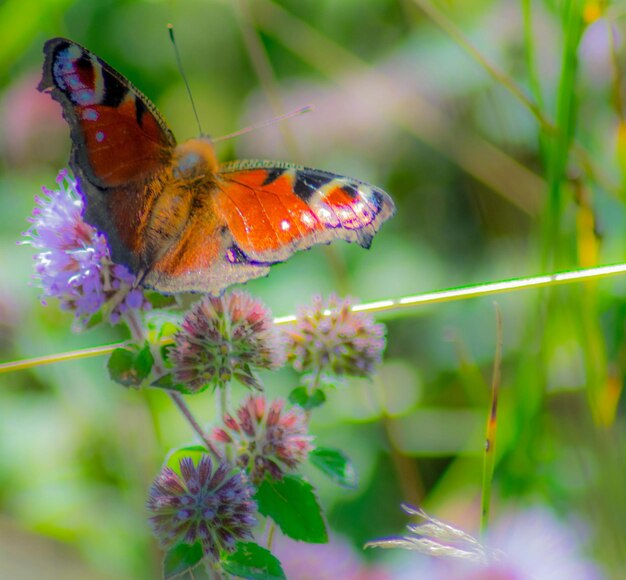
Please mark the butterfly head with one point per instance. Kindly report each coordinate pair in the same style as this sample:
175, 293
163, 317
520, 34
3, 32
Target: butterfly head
195, 159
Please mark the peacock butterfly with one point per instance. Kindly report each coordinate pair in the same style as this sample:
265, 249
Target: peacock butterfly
178, 219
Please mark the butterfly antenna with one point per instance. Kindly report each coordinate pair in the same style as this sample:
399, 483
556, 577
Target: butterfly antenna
296, 113
179, 62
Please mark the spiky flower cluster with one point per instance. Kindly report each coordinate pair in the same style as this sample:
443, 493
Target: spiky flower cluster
330, 337
73, 262
224, 338
267, 438
213, 507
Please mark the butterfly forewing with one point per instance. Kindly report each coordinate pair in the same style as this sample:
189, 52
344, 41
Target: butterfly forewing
118, 135
121, 146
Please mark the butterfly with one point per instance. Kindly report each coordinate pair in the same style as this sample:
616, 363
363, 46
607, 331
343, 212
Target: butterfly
178, 219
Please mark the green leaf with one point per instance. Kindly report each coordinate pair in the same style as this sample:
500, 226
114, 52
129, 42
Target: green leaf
130, 365
200, 572
167, 382
95, 319
175, 455
254, 562
158, 300
300, 396
323, 381
292, 504
161, 325
164, 382
181, 558
144, 360
165, 352
328, 381
335, 464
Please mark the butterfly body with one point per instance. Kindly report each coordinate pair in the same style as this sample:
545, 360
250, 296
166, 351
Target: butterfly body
171, 213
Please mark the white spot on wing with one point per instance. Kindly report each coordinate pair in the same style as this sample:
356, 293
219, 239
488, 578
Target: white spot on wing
285, 225
90, 115
74, 51
327, 216
307, 219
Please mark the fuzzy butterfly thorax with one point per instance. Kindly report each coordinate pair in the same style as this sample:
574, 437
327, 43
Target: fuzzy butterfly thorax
171, 213
195, 161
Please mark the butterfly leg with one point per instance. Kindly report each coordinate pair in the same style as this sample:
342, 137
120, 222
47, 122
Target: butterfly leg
140, 277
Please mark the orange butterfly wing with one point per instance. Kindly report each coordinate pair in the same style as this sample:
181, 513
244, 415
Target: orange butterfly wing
274, 209
121, 147
260, 213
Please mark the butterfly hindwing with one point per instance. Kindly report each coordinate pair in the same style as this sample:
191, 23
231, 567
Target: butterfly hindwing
274, 209
205, 259
260, 213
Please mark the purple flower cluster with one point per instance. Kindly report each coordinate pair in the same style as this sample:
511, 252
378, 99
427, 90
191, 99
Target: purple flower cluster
73, 262
267, 438
329, 337
213, 507
225, 338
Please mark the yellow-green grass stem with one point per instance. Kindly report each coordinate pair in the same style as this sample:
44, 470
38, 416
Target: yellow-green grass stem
490, 435
382, 307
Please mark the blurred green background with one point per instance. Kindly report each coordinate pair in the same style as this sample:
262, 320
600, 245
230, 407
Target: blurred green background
485, 191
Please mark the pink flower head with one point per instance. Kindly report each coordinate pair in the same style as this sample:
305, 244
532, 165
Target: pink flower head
213, 507
225, 338
330, 337
267, 439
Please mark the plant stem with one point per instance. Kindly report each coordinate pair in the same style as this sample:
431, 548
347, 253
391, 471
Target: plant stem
618, 76
263, 69
270, 534
224, 399
531, 66
439, 18
138, 334
389, 306
184, 409
406, 468
223, 404
561, 141
311, 388
490, 437
315, 383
